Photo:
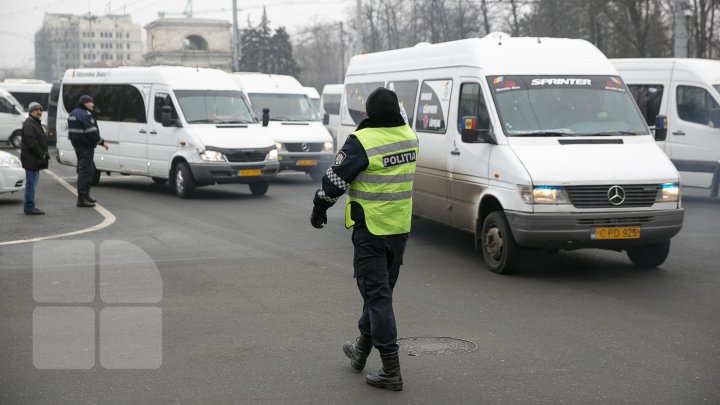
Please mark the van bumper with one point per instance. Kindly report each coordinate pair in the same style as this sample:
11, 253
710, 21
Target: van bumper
208, 174
573, 230
305, 162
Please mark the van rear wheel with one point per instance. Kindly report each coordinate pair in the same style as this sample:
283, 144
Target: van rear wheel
259, 188
502, 255
184, 181
95, 179
16, 139
649, 256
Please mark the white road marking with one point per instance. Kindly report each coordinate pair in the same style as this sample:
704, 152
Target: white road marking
108, 220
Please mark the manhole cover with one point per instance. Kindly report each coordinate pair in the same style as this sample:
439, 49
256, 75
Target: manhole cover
435, 345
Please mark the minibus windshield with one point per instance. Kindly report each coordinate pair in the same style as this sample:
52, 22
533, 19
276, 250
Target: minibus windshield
284, 107
565, 106
214, 107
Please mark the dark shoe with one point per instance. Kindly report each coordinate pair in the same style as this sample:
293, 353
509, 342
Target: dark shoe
84, 203
35, 211
358, 352
90, 199
389, 376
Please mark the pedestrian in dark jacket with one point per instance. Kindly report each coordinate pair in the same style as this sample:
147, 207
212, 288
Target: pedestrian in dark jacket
85, 136
376, 167
33, 155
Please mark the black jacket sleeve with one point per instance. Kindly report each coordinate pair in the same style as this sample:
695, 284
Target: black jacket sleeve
92, 130
349, 162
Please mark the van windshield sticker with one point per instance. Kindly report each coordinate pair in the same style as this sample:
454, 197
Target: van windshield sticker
501, 84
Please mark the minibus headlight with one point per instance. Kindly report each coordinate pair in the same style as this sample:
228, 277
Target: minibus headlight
212, 156
272, 155
9, 162
328, 147
543, 195
669, 192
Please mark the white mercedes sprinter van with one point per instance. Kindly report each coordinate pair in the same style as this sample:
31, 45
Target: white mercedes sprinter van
687, 92
12, 116
27, 91
191, 126
528, 143
303, 142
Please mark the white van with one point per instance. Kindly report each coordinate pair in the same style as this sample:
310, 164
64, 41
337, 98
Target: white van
27, 91
191, 126
302, 141
527, 143
330, 104
687, 91
314, 98
12, 116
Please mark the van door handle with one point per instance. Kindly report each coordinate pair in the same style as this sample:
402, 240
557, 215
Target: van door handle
455, 152
142, 131
679, 133
153, 132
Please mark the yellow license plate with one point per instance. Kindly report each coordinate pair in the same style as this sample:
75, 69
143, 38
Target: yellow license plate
250, 172
307, 162
615, 233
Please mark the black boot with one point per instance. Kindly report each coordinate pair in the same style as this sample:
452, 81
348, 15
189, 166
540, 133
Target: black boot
389, 376
83, 202
358, 352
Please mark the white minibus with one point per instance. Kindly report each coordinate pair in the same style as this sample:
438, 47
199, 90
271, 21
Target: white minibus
330, 104
303, 142
191, 126
12, 116
527, 143
687, 92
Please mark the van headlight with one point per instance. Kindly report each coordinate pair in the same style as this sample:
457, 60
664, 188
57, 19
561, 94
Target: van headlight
10, 162
544, 195
669, 192
272, 155
328, 147
211, 156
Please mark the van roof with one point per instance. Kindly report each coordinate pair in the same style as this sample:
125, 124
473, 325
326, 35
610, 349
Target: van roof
26, 87
706, 68
253, 82
312, 93
176, 77
494, 54
333, 89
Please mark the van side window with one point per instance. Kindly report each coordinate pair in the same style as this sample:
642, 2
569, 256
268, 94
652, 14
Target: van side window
433, 106
695, 104
113, 102
472, 104
355, 97
648, 98
331, 103
6, 107
407, 93
161, 100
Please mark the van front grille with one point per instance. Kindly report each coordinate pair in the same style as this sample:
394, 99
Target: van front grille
298, 147
245, 156
630, 221
635, 195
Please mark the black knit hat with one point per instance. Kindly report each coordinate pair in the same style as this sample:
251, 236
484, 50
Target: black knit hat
382, 102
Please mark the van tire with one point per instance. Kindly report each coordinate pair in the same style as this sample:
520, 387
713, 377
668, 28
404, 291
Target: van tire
502, 255
16, 139
95, 179
649, 256
259, 187
183, 182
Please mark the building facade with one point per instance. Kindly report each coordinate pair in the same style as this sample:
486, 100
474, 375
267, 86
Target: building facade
189, 42
67, 41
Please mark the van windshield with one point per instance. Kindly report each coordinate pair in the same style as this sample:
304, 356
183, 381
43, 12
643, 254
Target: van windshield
284, 107
214, 107
565, 106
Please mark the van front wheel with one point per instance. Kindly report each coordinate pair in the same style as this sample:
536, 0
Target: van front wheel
259, 188
184, 181
649, 256
502, 255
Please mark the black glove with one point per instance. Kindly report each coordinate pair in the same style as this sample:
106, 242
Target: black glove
318, 218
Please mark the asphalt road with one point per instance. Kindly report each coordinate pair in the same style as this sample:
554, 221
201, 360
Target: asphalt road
256, 305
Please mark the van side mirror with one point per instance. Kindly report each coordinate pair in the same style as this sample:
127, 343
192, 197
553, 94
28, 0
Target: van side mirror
326, 119
265, 116
469, 133
660, 128
167, 119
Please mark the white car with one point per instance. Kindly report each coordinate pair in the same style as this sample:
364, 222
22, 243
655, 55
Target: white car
12, 175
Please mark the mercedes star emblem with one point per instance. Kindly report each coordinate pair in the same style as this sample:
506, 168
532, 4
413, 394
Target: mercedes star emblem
616, 195
305, 147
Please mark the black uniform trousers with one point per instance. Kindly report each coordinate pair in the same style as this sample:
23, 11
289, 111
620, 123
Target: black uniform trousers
376, 262
85, 168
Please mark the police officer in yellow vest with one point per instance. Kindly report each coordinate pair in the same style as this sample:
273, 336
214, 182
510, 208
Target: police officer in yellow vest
375, 167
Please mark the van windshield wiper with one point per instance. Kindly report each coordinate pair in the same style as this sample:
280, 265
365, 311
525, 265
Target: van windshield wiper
235, 122
201, 121
610, 133
543, 133
280, 119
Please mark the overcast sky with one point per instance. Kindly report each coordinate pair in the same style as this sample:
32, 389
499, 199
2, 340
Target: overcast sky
19, 20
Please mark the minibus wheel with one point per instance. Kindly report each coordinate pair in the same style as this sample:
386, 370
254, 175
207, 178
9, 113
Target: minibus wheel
259, 187
501, 253
649, 256
16, 139
184, 181
95, 179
